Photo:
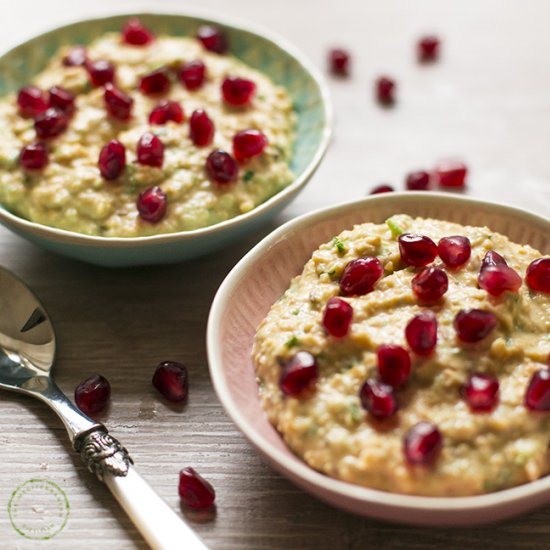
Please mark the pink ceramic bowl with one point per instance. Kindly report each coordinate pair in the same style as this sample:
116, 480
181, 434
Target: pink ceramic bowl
262, 276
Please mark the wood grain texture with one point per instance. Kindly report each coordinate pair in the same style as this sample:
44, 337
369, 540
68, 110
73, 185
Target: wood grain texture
487, 101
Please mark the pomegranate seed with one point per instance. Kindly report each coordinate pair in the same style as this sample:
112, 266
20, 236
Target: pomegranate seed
50, 123
33, 156
100, 72
248, 144
136, 34
455, 251
172, 381
422, 443
151, 205
61, 99
192, 74
166, 110
481, 392
76, 57
378, 399
150, 150
451, 173
498, 279
360, 276
382, 189
118, 104
337, 317
32, 101
299, 374
194, 490
394, 364
417, 250
537, 396
112, 160
491, 259
428, 48
418, 181
339, 61
237, 91
221, 167
93, 394
155, 82
430, 284
213, 39
421, 333
472, 325
537, 276
385, 89
201, 128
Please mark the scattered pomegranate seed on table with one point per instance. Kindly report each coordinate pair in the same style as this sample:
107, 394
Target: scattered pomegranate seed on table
201, 128
136, 33
428, 48
451, 174
384, 188
473, 325
421, 333
248, 144
498, 279
394, 364
337, 317
61, 99
172, 381
92, 395
151, 205
50, 123
417, 250
238, 91
430, 284
100, 72
537, 275
76, 57
213, 39
385, 90
298, 374
150, 150
118, 103
360, 276
166, 110
417, 181
33, 156
422, 443
156, 82
31, 101
378, 399
112, 160
339, 62
194, 490
481, 392
537, 395
221, 167
192, 74
454, 251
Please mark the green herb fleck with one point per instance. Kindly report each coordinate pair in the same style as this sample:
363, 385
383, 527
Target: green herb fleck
248, 175
295, 311
292, 342
261, 97
355, 412
394, 228
340, 245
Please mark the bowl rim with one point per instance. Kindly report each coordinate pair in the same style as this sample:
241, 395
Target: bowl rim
299, 469
140, 9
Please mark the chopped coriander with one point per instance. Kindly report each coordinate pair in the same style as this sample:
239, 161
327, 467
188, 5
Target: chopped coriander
248, 175
355, 412
295, 311
394, 228
331, 273
261, 97
292, 342
340, 245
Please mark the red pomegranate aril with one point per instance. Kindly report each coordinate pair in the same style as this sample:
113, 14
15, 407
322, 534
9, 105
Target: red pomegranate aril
473, 325
537, 275
339, 61
430, 284
61, 99
421, 333
385, 90
394, 364
451, 173
481, 392
221, 167
337, 317
31, 101
537, 395
100, 71
428, 48
417, 181
151, 204
136, 34
360, 276
112, 160
166, 110
201, 128
378, 399
50, 123
150, 150
417, 250
248, 144
382, 189
118, 103
156, 82
422, 443
33, 156
194, 490
213, 39
454, 251
237, 91
498, 279
192, 74
92, 395
76, 57
172, 381
299, 374
491, 259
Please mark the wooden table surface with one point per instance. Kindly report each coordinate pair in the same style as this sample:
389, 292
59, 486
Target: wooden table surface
487, 102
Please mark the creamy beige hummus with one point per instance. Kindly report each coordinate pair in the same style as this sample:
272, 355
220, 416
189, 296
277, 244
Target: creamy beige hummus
335, 435
70, 193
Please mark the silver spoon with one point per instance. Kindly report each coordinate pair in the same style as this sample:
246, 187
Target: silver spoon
27, 351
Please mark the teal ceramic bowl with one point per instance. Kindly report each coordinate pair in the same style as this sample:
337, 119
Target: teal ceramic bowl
255, 46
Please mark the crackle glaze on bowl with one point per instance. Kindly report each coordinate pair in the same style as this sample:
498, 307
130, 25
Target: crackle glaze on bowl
261, 277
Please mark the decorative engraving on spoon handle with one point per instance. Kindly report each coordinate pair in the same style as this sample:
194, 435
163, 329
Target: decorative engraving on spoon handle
102, 454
